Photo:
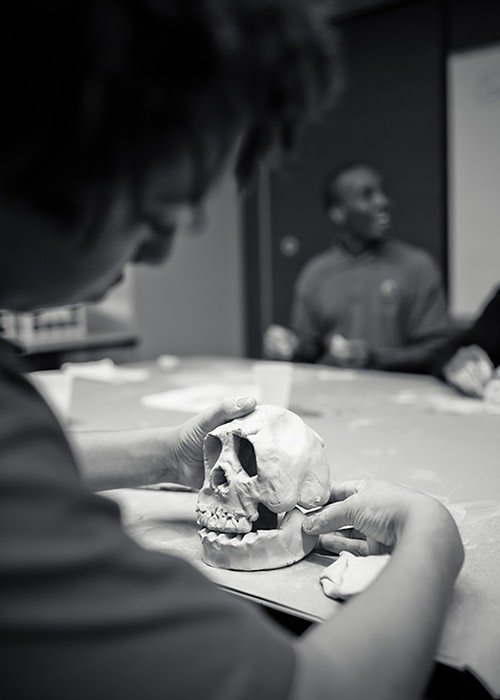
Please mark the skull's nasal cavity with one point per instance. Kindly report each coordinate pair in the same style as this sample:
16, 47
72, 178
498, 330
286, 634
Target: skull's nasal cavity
218, 478
246, 455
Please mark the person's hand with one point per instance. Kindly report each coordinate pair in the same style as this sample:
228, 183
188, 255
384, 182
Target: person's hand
492, 390
375, 514
354, 353
469, 370
279, 343
185, 443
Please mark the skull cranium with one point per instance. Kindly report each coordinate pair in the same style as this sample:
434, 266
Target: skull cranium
258, 469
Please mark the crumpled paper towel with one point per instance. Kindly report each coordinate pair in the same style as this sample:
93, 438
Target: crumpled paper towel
350, 574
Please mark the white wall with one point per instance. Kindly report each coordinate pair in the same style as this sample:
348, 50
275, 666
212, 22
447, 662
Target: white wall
474, 177
193, 304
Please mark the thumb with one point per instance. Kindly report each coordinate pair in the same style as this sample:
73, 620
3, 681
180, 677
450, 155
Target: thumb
225, 411
329, 519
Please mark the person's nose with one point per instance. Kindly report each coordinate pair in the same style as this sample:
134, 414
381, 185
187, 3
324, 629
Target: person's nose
155, 242
193, 219
154, 251
184, 218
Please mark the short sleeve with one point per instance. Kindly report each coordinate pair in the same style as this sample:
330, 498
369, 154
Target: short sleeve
86, 612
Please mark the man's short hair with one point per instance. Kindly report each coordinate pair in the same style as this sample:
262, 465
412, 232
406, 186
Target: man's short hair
330, 194
92, 88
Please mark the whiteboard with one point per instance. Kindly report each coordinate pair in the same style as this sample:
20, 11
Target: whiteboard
473, 177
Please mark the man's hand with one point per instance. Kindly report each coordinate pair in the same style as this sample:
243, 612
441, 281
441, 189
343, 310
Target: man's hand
469, 370
279, 343
184, 444
354, 354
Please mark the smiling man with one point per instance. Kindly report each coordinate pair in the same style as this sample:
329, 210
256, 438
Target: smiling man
369, 301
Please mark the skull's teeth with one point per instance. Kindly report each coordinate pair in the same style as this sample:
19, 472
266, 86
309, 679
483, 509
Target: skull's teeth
213, 522
222, 538
216, 518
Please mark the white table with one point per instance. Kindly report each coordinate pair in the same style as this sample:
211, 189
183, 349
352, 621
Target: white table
407, 428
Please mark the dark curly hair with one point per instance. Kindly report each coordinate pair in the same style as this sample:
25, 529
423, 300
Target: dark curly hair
95, 88
329, 193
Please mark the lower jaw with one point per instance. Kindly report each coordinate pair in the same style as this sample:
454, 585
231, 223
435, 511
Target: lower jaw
261, 550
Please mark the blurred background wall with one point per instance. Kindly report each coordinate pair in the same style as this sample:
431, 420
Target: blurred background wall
194, 302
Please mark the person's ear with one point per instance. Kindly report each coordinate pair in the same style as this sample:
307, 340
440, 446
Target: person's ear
337, 215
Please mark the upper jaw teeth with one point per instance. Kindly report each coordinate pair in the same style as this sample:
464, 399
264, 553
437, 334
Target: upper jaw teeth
218, 538
219, 520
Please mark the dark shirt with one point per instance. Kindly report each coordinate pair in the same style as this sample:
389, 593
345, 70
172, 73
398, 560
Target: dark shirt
391, 297
87, 613
484, 332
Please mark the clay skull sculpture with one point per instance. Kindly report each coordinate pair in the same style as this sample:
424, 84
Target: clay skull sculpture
258, 469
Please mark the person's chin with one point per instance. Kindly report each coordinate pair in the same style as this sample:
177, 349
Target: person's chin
380, 234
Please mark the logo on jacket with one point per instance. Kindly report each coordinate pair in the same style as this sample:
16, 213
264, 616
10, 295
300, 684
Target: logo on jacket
389, 290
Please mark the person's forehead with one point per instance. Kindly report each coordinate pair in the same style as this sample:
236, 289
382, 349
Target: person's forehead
355, 180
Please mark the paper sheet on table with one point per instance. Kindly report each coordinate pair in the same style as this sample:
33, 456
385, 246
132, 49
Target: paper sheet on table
193, 399
463, 405
448, 403
105, 371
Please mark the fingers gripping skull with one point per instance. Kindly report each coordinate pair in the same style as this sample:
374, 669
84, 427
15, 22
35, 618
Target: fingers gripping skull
258, 469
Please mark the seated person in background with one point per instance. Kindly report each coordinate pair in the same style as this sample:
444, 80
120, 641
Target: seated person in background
469, 358
369, 301
118, 116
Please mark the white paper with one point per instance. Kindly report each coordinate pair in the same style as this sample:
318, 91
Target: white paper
105, 371
194, 399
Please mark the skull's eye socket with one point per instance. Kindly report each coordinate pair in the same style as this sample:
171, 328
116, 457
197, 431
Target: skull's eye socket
212, 449
246, 455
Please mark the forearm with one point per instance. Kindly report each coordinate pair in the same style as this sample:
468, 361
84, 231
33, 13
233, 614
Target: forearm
382, 643
410, 358
309, 345
120, 459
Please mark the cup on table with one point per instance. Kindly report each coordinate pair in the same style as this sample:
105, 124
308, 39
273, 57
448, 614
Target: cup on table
492, 393
274, 382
